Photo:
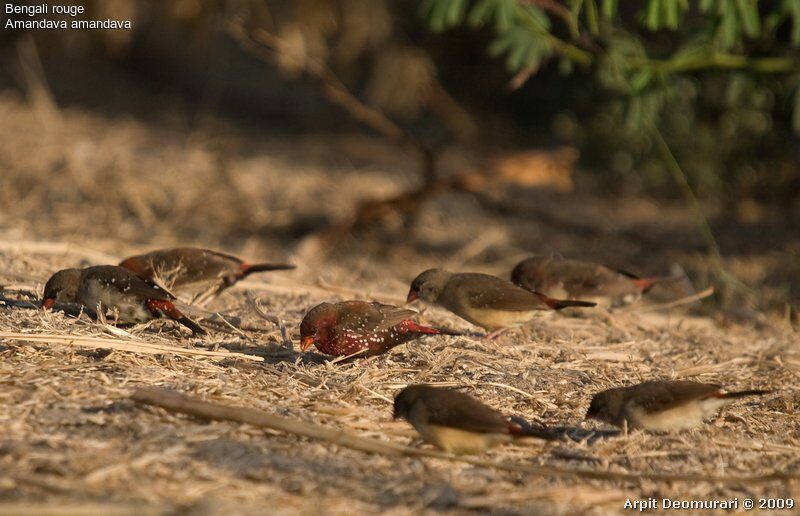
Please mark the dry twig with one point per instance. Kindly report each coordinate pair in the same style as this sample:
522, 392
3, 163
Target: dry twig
135, 346
177, 402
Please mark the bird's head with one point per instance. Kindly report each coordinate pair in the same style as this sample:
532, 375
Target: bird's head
134, 264
405, 400
429, 285
316, 321
62, 287
605, 406
528, 273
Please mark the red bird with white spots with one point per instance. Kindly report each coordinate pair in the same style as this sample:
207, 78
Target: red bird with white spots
351, 327
114, 288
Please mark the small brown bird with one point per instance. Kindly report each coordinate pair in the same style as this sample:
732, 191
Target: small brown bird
483, 300
349, 327
62, 287
114, 288
662, 406
454, 421
184, 266
573, 279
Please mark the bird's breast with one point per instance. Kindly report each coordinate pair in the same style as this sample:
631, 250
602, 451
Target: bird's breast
455, 440
492, 319
128, 308
683, 417
556, 289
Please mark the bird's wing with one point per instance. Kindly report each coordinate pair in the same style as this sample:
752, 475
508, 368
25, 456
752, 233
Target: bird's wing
485, 291
627, 274
657, 396
198, 258
144, 289
223, 256
457, 410
393, 315
365, 317
586, 279
128, 282
581, 275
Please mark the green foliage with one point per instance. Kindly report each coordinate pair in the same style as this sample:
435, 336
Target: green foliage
735, 19
717, 75
664, 14
523, 31
600, 36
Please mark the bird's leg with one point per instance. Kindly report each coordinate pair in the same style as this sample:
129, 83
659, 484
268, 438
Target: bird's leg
496, 333
208, 295
286, 342
224, 284
416, 442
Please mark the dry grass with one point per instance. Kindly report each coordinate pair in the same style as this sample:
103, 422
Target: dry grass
95, 189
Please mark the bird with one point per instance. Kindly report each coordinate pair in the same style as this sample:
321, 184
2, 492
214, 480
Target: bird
576, 279
62, 288
484, 300
115, 288
185, 266
456, 422
349, 327
663, 406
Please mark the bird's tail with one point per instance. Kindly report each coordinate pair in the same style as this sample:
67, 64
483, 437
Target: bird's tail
742, 394
165, 306
558, 304
430, 330
250, 268
521, 427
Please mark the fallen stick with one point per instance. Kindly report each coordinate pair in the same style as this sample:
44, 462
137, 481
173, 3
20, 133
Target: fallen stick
61, 508
135, 346
672, 304
176, 402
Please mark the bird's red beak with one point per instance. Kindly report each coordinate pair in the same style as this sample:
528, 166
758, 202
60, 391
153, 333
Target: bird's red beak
306, 343
412, 296
48, 303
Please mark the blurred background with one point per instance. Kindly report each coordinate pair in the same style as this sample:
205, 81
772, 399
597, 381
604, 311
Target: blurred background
364, 135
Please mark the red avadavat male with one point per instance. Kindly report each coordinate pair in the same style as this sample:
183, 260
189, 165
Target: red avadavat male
482, 299
454, 421
114, 288
663, 406
349, 327
183, 266
573, 279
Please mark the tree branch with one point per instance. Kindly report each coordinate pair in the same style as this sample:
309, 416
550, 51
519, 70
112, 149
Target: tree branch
264, 45
719, 60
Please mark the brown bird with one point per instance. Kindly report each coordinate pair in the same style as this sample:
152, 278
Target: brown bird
184, 266
114, 288
483, 300
62, 288
573, 279
662, 406
456, 422
350, 327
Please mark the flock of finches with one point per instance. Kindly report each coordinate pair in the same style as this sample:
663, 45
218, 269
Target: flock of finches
450, 420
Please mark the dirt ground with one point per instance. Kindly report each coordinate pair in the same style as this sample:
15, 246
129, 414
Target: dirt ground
81, 187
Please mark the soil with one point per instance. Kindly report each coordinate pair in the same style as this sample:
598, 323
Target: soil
82, 187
